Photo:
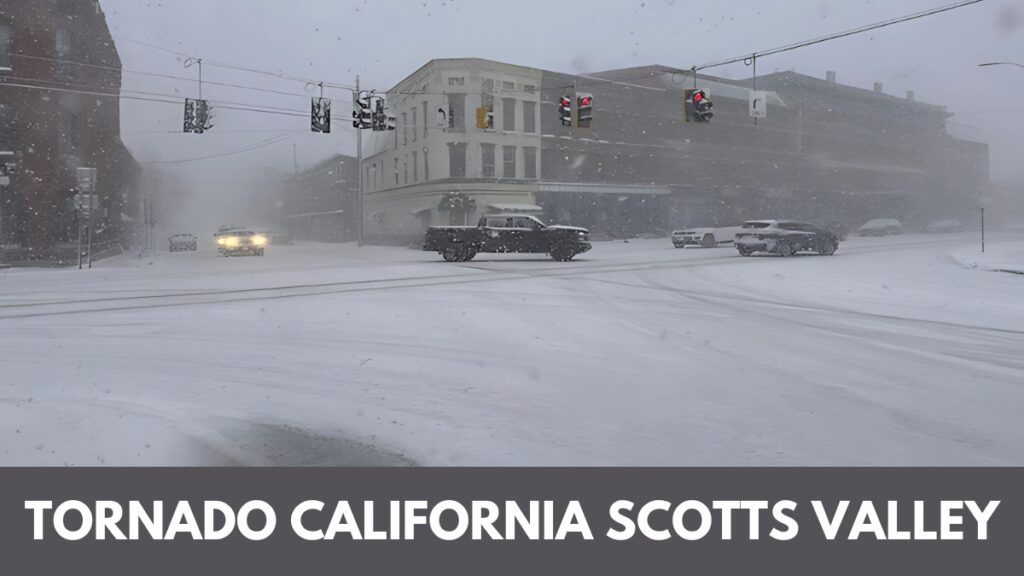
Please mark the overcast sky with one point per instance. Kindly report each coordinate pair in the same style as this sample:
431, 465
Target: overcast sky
333, 40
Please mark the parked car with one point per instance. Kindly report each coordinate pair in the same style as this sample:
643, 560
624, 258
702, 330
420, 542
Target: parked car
182, 243
881, 227
785, 238
945, 227
241, 243
508, 233
707, 237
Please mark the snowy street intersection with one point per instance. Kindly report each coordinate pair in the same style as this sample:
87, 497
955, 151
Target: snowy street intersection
905, 350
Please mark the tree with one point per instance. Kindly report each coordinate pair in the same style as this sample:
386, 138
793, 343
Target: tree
458, 206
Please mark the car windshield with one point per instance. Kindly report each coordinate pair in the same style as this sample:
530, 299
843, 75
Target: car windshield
495, 233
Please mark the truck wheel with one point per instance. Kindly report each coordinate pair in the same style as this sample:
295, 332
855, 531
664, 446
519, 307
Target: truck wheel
785, 249
452, 254
744, 251
708, 241
468, 254
562, 254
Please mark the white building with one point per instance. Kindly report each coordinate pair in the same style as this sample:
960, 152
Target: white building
437, 147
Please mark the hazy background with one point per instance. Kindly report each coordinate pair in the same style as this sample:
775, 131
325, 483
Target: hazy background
332, 41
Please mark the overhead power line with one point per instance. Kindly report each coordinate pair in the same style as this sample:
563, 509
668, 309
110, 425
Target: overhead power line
249, 148
838, 35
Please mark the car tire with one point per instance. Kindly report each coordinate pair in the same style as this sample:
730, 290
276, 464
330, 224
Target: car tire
785, 249
452, 254
744, 251
708, 241
562, 254
828, 248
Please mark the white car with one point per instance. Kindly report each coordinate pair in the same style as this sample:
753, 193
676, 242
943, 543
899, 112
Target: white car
881, 227
704, 237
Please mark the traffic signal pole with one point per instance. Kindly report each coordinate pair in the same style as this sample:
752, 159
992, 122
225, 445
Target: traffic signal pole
359, 168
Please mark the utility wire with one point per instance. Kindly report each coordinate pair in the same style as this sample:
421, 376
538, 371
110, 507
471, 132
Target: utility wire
862, 29
250, 148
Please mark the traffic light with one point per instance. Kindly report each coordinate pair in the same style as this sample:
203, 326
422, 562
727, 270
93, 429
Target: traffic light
197, 116
698, 106
362, 114
584, 109
565, 110
484, 118
320, 116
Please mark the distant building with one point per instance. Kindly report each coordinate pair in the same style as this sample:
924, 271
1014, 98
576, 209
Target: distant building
60, 79
320, 203
825, 152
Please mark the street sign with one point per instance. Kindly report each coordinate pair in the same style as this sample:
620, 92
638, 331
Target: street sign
86, 179
758, 104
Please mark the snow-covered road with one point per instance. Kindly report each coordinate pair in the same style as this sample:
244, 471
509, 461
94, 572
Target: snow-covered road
891, 352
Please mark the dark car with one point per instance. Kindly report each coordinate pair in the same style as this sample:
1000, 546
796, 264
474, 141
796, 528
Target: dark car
785, 238
182, 243
507, 233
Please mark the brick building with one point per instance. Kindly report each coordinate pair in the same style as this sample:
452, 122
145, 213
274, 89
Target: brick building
320, 203
60, 76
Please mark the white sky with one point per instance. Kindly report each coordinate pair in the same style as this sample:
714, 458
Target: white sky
334, 40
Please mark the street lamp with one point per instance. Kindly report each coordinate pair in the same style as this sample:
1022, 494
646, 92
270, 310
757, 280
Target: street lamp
1002, 64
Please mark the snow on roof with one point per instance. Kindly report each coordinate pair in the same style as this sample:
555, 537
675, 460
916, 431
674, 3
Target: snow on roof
516, 207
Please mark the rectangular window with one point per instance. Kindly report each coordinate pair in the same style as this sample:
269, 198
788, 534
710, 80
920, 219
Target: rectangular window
529, 88
415, 166
508, 114
530, 162
509, 152
508, 86
396, 171
487, 160
6, 126
426, 163
457, 81
405, 129
5, 46
457, 112
425, 119
405, 169
415, 124
487, 85
456, 160
529, 116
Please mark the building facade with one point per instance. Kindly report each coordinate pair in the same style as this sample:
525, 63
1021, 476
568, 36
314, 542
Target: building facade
60, 78
826, 152
321, 203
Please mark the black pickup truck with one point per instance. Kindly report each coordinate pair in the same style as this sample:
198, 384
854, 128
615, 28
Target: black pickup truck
510, 233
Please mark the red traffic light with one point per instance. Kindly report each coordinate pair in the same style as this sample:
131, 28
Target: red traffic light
585, 101
565, 101
698, 96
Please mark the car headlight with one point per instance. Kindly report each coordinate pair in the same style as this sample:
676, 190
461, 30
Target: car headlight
221, 241
259, 240
231, 242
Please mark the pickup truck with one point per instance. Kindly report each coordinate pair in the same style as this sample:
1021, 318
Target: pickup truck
507, 233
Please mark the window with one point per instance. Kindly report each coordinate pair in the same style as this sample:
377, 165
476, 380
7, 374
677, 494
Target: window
415, 165
530, 162
529, 116
425, 119
487, 85
396, 171
457, 81
508, 112
405, 129
66, 136
405, 170
508, 86
457, 112
63, 43
6, 123
487, 155
5, 46
509, 153
366, 177
524, 222
529, 88
414, 124
456, 160
426, 163
499, 222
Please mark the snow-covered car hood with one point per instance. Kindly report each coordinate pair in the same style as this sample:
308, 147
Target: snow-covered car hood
576, 228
